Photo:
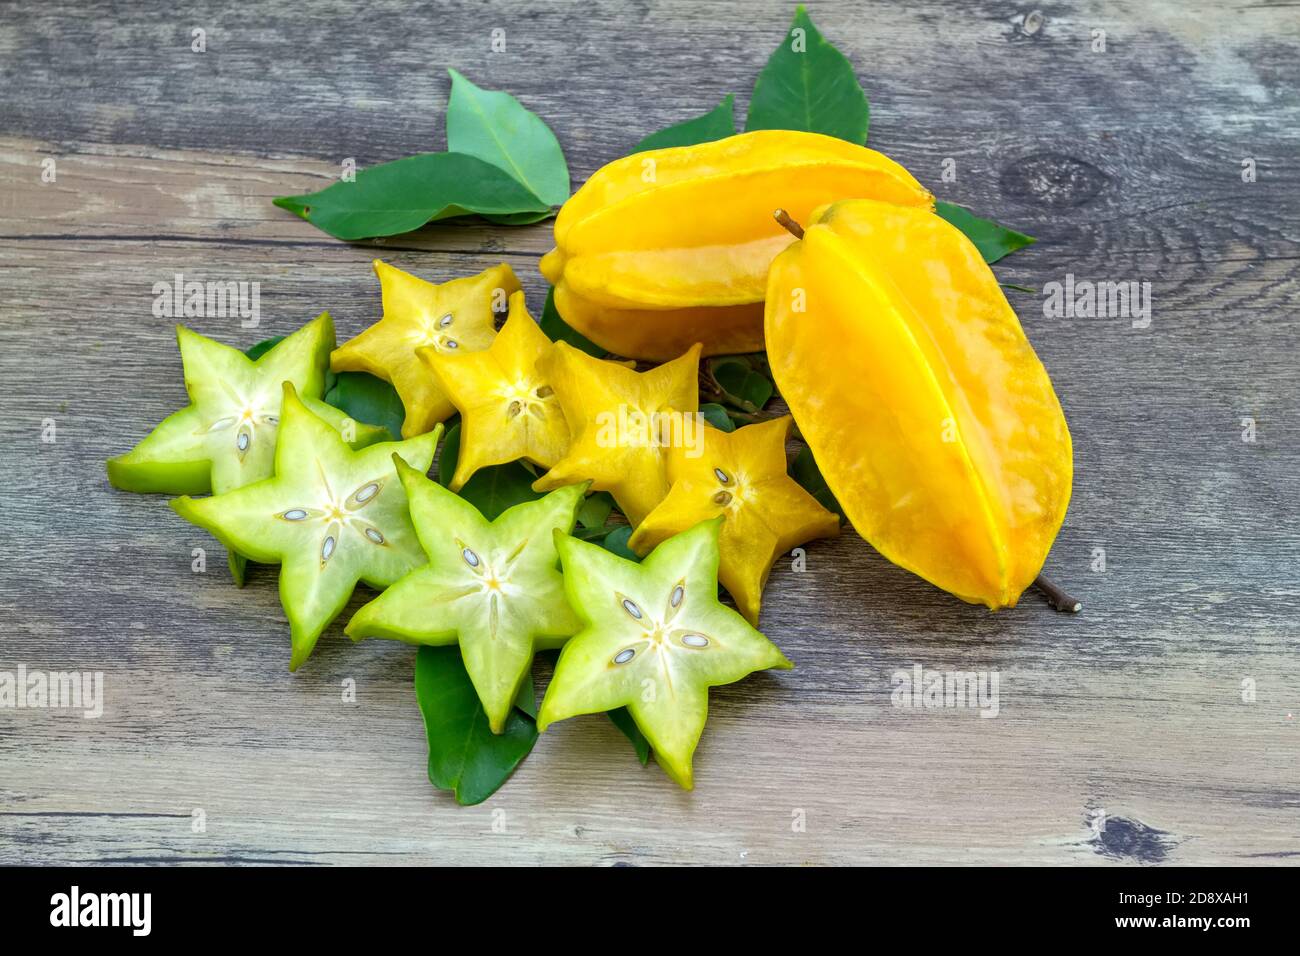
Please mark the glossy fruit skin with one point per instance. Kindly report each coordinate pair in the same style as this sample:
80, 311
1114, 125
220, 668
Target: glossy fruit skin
669, 247
926, 408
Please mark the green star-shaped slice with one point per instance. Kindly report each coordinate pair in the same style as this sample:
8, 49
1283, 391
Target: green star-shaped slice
654, 640
225, 438
330, 516
494, 587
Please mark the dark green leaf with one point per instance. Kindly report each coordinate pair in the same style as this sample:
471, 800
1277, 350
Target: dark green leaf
465, 757
717, 416
491, 490
557, 330
717, 123
622, 719
403, 195
1018, 288
742, 385
993, 241
616, 541
496, 128
368, 399
595, 510
809, 85
264, 346
805, 472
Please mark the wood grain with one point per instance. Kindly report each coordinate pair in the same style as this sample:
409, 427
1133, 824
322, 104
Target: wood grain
1126, 164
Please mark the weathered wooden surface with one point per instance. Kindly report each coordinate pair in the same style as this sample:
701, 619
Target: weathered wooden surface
1126, 163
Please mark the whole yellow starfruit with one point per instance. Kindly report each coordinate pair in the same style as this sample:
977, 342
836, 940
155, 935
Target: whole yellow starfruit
666, 248
926, 408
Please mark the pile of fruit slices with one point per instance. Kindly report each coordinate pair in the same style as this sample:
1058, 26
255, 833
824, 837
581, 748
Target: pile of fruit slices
296, 483
907, 371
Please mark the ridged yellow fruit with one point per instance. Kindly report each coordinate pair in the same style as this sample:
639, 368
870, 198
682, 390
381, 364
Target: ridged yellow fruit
666, 248
930, 415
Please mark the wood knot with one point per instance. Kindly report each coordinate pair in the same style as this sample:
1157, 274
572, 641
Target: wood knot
1053, 179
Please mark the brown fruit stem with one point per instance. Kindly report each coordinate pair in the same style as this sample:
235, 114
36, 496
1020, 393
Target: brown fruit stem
783, 217
1056, 597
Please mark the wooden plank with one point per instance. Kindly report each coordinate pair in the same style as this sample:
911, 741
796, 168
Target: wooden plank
166, 163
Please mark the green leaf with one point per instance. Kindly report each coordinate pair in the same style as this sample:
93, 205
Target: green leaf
261, 348
809, 85
368, 399
1019, 288
622, 719
717, 416
403, 195
493, 489
557, 330
742, 385
465, 757
616, 541
595, 510
495, 127
717, 123
993, 241
805, 472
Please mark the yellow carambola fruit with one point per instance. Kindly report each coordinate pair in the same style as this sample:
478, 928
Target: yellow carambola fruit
453, 317
666, 248
933, 421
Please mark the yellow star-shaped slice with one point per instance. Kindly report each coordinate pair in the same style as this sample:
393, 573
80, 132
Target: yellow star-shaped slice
622, 424
508, 408
453, 317
742, 476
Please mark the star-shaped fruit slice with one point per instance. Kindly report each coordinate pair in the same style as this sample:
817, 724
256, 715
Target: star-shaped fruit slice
494, 587
225, 437
455, 317
741, 476
330, 517
622, 423
508, 408
654, 640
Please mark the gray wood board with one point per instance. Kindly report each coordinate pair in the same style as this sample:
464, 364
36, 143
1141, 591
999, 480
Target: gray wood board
1127, 165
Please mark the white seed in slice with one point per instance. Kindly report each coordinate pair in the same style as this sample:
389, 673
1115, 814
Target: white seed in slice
444, 321
679, 592
695, 640
470, 557
622, 657
271, 419
327, 548
722, 476
630, 606
374, 535
367, 492
242, 441
294, 514
451, 344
